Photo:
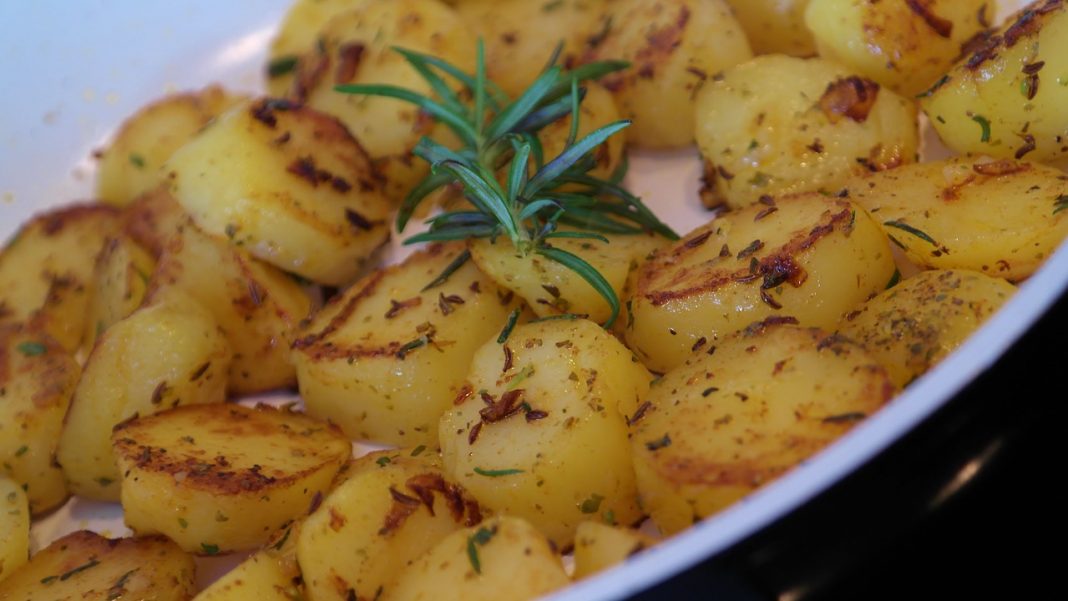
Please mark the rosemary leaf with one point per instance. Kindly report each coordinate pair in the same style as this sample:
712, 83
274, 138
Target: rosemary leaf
588, 273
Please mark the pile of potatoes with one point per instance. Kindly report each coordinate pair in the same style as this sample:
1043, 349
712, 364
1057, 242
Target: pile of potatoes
234, 251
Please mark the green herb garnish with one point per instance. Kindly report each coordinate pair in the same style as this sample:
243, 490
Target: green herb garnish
498, 134
31, 349
451, 268
984, 124
1060, 203
894, 279
508, 326
209, 549
282, 65
901, 225
592, 504
137, 160
497, 473
479, 538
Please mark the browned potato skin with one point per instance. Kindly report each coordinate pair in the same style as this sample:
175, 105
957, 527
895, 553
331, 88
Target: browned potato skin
152, 219
917, 323
46, 266
84, 566
37, 380
120, 280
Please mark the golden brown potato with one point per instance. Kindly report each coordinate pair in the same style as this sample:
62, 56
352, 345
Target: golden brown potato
387, 358
502, 557
808, 257
1006, 97
781, 125
914, 325
393, 507
46, 267
775, 26
905, 46
1000, 217
599, 546
720, 426
164, 355
222, 477
674, 47
14, 527
539, 431
130, 166
119, 283
297, 34
37, 379
84, 566
255, 305
152, 219
287, 183
358, 48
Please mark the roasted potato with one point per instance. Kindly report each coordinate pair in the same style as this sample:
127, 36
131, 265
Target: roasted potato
357, 47
222, 477
163, 355
504, 557
392, 507
674, 47
599, 546
37, 379
119, 283
781, 125
914, 325
1000, 217
387, 358
808, 257
130, 165
84, 566
904, 46
46, 267
539, 431
720, 426
1005, 98
14, 527
775, 26
287, 183
255, 305
298, 33
152, 219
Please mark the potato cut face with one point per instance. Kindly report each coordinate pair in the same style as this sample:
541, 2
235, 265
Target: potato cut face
222, 477
539, 431
775, 26
599, 546
287, 183
914, 325
119, 283
258, 578
46, 267
257, 306
1005, 98
387, 358
37, 379
393, 507
130, 166
552, 289
782, 125
807, 257
1001, 217
674, 47
84, 566
162, 356
905, 46
720, 426
357, 48
14, 527
504, 555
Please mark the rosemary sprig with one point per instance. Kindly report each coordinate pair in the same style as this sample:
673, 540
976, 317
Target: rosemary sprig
536, 194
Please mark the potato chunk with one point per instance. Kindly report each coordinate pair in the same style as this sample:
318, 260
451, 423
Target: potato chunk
599, 546
14, 527
163, 355
119, 283
358, 48
130, 166
504, 557
46, 268
905, 46
1006, 97
84, 566
37, 379
387, 358
807, 257
781, 125
297, 34
552, 289
288, 183
255, 305
393, 507
540, 431
914, 325
1001, 217
720, 426
220, 477
674, 47
775, 26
